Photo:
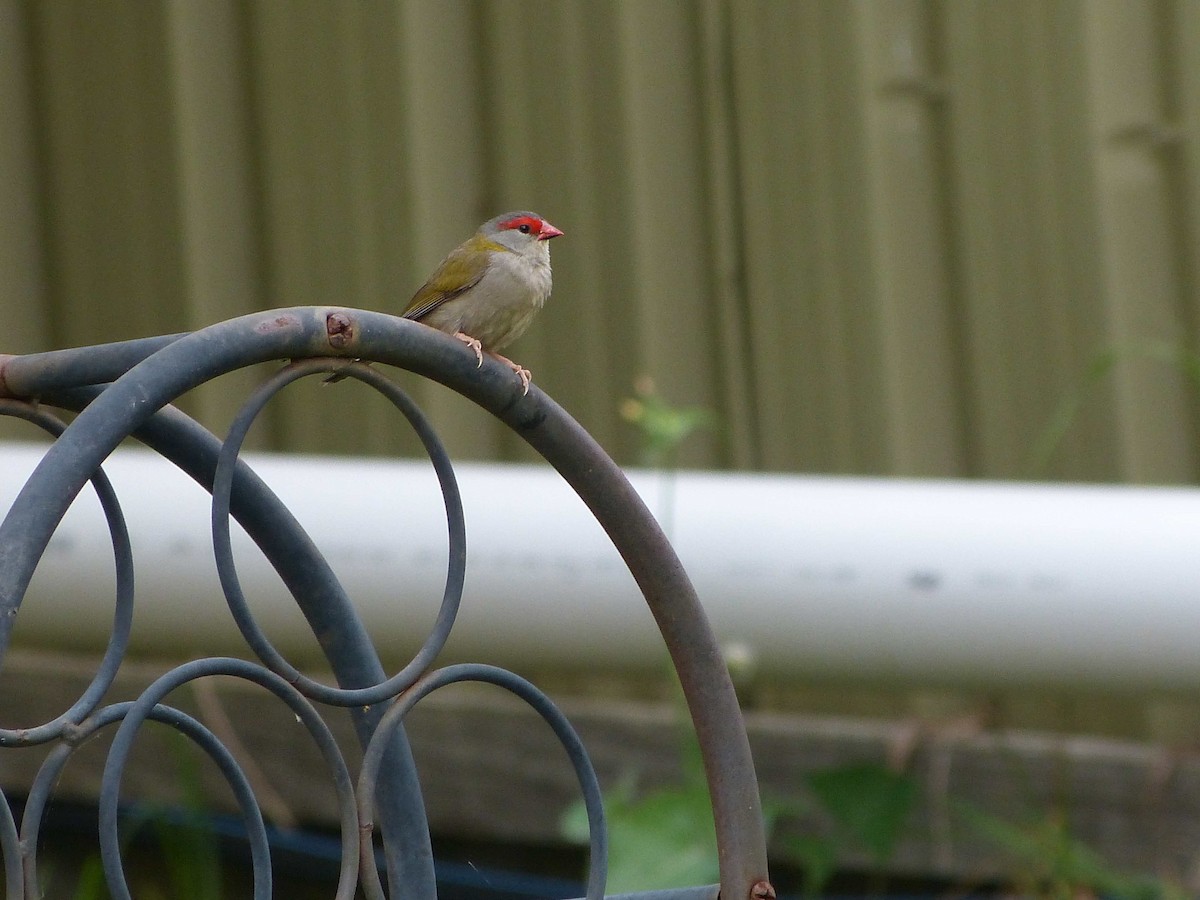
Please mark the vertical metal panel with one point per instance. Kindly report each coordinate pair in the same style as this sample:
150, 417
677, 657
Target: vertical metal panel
1141, 299
106, 122
220, 238
446, 147
553, 107
1181, 45
901, 104
317, 123
670, 327
725, 235
581, 343
24, 305
1179, 42
1025, 229
872, 237
23, 300
815, 372
1062, 256
774, 230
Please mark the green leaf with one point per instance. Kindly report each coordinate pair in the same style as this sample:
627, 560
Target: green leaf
1054, 859
664, 839
869, 803
91, 880
1099, 368
663, 427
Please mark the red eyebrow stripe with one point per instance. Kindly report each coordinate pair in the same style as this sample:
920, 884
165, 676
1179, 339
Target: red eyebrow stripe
533, 223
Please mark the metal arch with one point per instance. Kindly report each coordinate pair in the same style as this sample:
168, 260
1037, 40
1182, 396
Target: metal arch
320, 596
305, 712
515, 684
107, 668
156, 371
226, 569
10, 850
52, 766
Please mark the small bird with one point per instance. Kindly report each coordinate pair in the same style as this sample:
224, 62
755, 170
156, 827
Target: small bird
487, 291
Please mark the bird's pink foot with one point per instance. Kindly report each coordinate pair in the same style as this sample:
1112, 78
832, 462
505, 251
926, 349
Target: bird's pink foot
524, 374
473, 344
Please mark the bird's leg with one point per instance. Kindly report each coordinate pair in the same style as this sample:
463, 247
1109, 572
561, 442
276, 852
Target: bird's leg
524, 374
473, 344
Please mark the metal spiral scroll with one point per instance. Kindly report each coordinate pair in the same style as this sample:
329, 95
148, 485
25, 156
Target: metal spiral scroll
125, 389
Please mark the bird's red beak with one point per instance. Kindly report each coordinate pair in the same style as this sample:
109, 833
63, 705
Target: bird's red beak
548, 231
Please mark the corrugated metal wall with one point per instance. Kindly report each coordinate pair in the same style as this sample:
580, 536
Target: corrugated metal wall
871, 236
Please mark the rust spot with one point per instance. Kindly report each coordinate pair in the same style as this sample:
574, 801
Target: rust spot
277, 322
762, 890
340, 329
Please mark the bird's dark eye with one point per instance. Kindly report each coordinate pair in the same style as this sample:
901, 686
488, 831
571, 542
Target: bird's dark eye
524, 228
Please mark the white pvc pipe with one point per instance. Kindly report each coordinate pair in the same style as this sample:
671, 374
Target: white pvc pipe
912, 581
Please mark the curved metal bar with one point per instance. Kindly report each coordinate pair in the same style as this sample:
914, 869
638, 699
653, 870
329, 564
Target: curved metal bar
309, 331
35, 375
681, 619
515, 684
52, 766
10, 849
223, 549
127, 404
123, 742
329, 612
106, 670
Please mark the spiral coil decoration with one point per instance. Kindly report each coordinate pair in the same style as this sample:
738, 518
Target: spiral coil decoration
126, 389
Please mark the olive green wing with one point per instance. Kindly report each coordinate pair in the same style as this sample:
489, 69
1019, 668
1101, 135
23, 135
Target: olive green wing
459, 272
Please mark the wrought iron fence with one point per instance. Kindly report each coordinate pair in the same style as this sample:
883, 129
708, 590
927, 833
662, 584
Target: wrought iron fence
126, 389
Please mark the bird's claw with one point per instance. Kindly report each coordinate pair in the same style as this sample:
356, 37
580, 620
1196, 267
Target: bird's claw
474, 344
524, 374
